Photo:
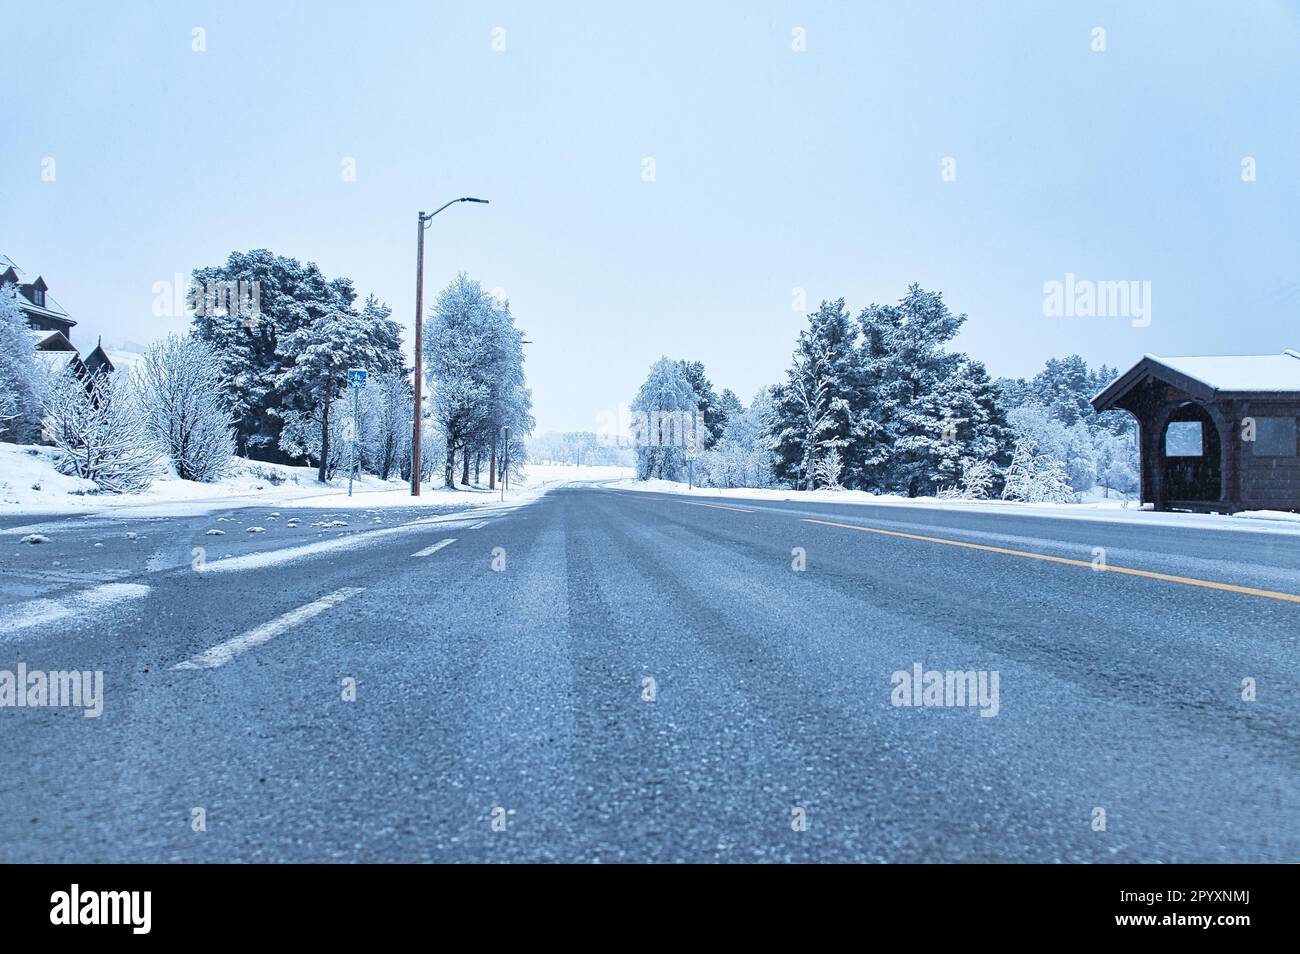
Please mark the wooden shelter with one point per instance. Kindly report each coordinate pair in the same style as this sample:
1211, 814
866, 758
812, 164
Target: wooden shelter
1215, 433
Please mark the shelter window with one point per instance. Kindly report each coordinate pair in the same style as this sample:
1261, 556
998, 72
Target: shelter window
1274, 437
1184, 439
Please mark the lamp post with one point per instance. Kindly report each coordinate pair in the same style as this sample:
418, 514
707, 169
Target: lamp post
419, 338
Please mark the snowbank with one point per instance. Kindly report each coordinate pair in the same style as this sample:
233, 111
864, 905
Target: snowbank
1094, 507
28, 474
29, 483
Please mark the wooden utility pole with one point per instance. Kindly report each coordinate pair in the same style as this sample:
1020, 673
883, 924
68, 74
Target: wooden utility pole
419, 339
419, 360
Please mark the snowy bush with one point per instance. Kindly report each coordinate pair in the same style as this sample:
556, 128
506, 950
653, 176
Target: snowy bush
1118, 463
827, 470
1036, 478
265, 472
20, 376
743, 457
99, 430
977, 480
180, 389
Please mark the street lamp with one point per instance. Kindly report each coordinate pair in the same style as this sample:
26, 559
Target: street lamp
419, 339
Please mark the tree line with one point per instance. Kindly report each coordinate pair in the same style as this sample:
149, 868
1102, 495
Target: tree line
879, 402
263, 375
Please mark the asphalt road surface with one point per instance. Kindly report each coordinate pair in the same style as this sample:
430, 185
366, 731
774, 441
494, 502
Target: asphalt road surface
604, 675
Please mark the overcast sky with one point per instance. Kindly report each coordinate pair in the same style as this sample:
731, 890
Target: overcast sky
775, 169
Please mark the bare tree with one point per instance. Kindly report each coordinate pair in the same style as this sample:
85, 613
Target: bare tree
99, 429
180, 389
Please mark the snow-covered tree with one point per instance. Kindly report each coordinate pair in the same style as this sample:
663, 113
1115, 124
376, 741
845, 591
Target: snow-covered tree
922, 408
384, 428
99, 429
21, 380
1036, 477
666, 422
827, 470
743, 457
179, 384
712, 415
476, 377
1117, 462
510, 401
325, 350
978, 477
319, 435
245, 309
814, 406
728, 407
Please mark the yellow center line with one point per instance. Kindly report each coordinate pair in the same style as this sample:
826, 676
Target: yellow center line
692, 503
1149, 574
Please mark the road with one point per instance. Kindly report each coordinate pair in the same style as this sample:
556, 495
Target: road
604, 675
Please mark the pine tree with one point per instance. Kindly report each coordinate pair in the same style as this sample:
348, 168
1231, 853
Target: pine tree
246, 309
904, 372
814, 406
711, 413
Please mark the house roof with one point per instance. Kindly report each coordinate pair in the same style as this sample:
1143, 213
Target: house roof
1251, 372
51, 309
52, 341
57, 360
98, 360
1211, 374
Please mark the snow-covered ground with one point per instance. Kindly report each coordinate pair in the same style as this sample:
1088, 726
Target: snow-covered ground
29, 483
1094, 507
544, 474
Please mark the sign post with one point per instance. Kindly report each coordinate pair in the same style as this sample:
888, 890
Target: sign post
505, 461
356, 381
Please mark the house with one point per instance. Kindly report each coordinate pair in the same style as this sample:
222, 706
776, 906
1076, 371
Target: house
1215, 433
51, 325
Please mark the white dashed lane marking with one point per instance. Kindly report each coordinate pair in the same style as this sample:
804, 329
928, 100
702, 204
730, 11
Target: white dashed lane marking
221, 654
429, 551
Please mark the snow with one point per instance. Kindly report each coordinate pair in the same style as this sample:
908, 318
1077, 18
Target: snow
29, 483
1094, 507
1255, 372
540, 475
126, 361
269, 558
1282, 515
28, 474
42, 611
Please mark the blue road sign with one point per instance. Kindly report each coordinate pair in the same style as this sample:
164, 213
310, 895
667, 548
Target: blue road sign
356, 377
